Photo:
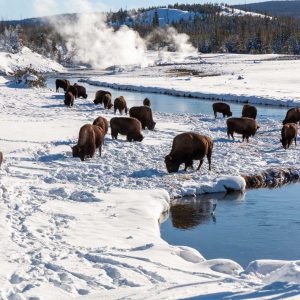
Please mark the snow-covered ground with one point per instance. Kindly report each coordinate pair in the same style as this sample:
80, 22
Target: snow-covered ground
10, 62
260, 79
90, 230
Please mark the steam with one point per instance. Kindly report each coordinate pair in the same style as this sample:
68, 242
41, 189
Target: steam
91, 41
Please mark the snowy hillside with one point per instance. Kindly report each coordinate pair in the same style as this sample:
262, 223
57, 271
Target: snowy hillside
10, 62
168, 16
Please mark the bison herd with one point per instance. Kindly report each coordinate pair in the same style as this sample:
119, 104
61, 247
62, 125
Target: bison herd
186, 147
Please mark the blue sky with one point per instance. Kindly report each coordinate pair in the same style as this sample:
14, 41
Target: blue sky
20, 9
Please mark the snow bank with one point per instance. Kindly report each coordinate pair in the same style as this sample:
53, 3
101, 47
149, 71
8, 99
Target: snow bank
26, 58
266, 79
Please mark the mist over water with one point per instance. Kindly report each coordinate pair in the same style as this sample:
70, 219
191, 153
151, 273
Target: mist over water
90, 40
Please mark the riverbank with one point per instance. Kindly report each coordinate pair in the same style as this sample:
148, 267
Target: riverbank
258, 79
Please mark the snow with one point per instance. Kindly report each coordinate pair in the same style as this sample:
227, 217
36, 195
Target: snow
168, 16
260, 79
26, 58
90, 230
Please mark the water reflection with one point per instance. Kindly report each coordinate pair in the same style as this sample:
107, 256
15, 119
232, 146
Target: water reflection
187, 213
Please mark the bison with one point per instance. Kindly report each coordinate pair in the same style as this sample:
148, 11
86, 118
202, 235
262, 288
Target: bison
90, 138
288, 134
147, 102
292, 116
222, 108
249, 111
144, 115
73, 90
130, 127
69, 99
62, 83
102, 123
245, 126
81, 90
187, 147
99, 96
1, 158
120, 104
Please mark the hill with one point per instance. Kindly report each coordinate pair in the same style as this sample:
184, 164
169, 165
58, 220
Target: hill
274, 8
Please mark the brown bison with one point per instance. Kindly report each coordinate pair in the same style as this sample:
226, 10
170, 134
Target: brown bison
292, 116
147, 102
249, 111
102, 123
288, 134
120, 104
1, 158
69, 99
73, 90
245, 126
90, 138
222, 108
187, 147
99, 96
107, 101
81, 91
144, 115
130, 127
62, 83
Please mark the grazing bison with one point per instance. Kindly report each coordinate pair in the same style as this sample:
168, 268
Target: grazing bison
130, 127
69, 99
72, 89
81, 90
292, 116
222, 108
187, 147
249, 111
144, 115
102, 123
1, 158
288, 134
107, 101
245, 126
120, 104
99, 96
62, 83
90, 138
147, 102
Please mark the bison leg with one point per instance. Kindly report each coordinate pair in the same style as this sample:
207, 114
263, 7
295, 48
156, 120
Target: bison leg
224, 115
115, 110
200, 164
295, 141
215, 113
209, 153
100, 150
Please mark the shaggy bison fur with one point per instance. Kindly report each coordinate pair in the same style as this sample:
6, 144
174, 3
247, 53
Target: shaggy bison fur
130, 127
99, 96
249, 111
187, 147
62, 83
245, 126
144, 115
90, 138
289, 134
69, 99
81, 90
73, 90
292, 116
102, 123
120, 105
222, 108
147, 102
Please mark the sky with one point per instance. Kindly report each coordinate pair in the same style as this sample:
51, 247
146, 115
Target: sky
21, 9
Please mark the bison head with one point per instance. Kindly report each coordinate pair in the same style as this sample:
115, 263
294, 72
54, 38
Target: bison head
284, 143
171, 165
229, 114
138, 137
97, 101
151, 125
77, 152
